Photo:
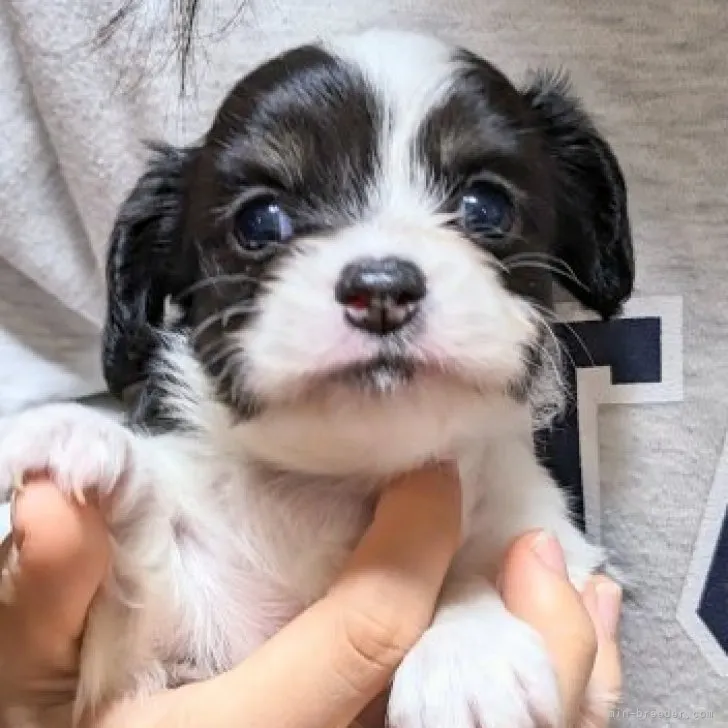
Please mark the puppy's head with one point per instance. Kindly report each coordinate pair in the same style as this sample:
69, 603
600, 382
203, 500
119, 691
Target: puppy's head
378, 219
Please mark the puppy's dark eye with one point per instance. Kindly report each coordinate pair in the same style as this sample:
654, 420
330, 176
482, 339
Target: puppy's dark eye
262, 223
486, 209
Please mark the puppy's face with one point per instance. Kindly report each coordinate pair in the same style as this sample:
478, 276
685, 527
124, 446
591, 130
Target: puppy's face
352, 217
369, 217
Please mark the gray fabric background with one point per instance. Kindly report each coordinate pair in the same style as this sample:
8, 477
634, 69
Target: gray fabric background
655, 73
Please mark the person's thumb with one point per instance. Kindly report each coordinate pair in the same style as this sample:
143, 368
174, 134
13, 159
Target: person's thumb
340, 653
535, 587
60, 555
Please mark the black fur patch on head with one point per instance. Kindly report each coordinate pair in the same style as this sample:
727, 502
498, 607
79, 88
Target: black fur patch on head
305, 124
567, 186
563, 179
593, 239
145, 266
484, 129
302, 129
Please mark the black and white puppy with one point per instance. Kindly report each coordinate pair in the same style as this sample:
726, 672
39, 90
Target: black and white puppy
360, 253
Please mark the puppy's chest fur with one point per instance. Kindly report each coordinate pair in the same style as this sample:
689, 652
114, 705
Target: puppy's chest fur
246, 550
249, 547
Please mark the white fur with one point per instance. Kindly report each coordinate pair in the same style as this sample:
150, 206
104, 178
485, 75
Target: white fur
215, 551
412, 73
254, 548
473, 325
477, 662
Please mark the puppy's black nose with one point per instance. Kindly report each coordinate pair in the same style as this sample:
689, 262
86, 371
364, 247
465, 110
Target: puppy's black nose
380, 295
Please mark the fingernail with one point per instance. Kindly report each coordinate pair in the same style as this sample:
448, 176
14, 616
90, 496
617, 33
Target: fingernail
609, 605
7, 576
18, 530
549, 552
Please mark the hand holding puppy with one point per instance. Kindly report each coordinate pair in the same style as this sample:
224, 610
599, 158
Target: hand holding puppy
328, 664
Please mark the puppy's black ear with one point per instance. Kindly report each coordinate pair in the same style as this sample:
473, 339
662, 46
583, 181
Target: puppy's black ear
143, 266
593, 234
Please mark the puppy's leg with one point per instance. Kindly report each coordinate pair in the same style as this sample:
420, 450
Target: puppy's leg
478, 665
79, 448
89, 455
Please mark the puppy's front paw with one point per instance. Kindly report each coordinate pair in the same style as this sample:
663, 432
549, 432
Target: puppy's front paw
468, 673
79, 448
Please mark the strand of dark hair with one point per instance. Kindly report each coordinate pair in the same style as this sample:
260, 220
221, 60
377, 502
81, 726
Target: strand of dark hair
181, 28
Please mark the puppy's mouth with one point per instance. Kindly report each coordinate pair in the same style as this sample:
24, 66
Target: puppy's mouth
390, 370
382, 374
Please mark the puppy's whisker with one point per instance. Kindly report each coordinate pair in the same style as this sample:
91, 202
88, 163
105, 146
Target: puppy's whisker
545, 317
223, 317
531, 253
547, 262
498, 264
552, 355
559, 347
221, 279
231, 311
554, 319
233, 363
579, 341
211, 347
233, 371
542, 265
216, 349
547, 257
545, 352
222, 354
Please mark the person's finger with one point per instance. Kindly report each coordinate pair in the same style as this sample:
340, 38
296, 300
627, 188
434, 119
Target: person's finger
607, 673
338, 655
604, 603
535, 588
343, 652
62, 554
375, 714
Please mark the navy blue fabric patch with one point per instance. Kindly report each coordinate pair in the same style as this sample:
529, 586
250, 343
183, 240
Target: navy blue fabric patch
632, 349
712, 607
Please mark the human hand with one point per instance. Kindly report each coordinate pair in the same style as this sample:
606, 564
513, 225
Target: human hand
579, 630
329, 662
53, 565
380, 605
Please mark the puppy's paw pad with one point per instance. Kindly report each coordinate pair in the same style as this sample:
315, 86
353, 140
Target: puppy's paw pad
473, 675
79, 448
